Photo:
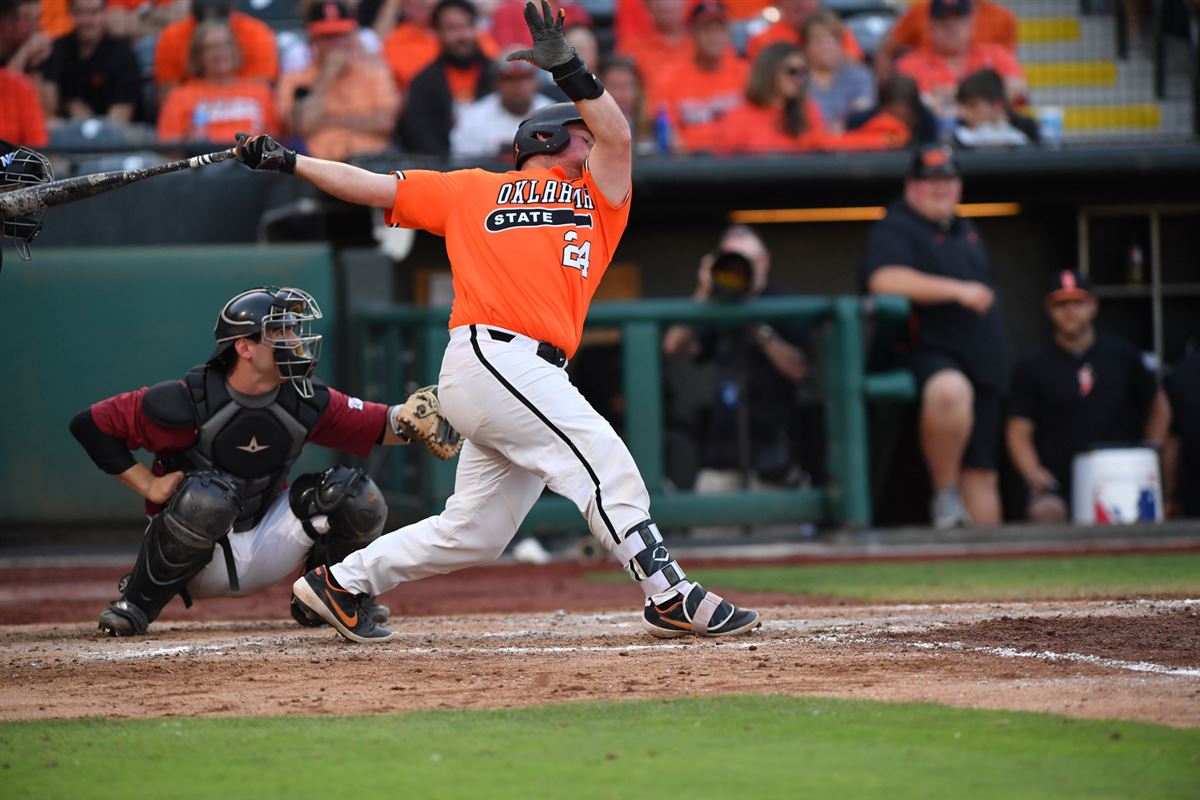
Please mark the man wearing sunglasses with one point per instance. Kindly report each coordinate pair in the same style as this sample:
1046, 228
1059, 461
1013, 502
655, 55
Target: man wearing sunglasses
224, 439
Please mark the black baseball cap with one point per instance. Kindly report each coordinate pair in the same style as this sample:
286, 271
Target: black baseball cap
706, 10
940, 9
330, 18
934, 161
1069, 284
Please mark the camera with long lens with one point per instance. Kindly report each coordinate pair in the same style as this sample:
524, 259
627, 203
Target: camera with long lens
732, 277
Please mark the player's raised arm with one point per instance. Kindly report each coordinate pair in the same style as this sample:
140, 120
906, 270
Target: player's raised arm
611, 158
343, 181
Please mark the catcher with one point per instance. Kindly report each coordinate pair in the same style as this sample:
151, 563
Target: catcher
224, 439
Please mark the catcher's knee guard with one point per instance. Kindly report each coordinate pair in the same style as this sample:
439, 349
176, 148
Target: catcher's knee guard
648, 561
178, 544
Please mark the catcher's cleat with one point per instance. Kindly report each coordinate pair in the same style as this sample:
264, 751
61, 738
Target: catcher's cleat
697, 613
123, 618
318, 592
378, 613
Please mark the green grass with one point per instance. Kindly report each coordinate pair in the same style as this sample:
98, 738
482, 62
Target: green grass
965, 579
960, 579
727, 747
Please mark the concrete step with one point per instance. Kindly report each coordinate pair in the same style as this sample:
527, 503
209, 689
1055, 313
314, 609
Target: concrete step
1095, 40
1107, 122
1042, 8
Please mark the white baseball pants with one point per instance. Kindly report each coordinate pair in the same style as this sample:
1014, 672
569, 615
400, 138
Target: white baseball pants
527, 427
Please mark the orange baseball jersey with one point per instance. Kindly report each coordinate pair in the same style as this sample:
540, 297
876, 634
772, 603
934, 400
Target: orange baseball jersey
527, 248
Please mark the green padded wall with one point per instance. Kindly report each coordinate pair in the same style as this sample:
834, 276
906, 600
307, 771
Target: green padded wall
83, 324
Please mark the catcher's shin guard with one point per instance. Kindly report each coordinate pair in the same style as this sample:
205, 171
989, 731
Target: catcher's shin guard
178, 544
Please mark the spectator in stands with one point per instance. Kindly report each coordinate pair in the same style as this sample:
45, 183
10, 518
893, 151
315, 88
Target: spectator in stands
55, 18
218, 102
993, 24
23, 121
776, 115
136, 19
90, 73
836, 84
984, 117
951, 56
696, 91
460, 75
485, 128
900, 99
924, 251
508, 22
1082, 390
793, 14
298, 54
345, 103
412, 45
259, 58
757, 369
24, 46
632, 18
623, 81
1181, 456
667, 40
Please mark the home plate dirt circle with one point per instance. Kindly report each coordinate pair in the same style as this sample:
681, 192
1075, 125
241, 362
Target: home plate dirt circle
1135, 660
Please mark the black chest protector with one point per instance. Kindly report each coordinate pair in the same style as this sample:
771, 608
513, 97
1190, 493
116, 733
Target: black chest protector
257, 445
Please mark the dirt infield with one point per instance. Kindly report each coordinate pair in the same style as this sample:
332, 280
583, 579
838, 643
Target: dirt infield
545, 640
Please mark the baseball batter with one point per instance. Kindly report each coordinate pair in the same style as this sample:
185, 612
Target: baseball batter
527, 250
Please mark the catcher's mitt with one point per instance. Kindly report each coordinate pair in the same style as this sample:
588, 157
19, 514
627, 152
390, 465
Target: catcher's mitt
419, 418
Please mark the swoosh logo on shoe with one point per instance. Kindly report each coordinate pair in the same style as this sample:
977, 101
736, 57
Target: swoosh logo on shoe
687, 626
350, 622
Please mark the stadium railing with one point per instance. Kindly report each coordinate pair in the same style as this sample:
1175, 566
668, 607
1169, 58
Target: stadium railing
421, 485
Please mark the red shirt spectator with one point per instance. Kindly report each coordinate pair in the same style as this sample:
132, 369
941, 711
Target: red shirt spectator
993, 24
696, 91
663, 41
412, 45
776, 115
22, 120
508, 20
218, 103
255, 42
790, 29
952, 55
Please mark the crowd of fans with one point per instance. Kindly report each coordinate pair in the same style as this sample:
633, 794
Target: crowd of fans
429, 77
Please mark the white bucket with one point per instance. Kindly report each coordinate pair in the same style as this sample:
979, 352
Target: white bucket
1116, 486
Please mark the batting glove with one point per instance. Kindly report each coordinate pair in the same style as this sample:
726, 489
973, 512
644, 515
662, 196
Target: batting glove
550, 48
262, 152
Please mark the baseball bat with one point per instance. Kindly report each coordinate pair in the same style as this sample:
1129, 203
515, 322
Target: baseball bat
31, 199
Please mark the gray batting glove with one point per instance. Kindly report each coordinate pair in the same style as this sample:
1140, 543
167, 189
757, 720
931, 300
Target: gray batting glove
550, 48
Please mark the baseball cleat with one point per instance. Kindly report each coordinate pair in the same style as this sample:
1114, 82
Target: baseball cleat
698, 613
123, 618
318, 592
378, 613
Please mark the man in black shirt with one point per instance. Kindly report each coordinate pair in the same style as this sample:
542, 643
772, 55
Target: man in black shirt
1181, 457
958, 353
89, 73
749, 429
1084, 389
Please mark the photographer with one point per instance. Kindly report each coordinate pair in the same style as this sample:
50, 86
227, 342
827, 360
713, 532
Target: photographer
746, 436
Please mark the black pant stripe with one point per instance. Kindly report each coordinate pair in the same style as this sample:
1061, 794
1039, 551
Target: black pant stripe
525, 401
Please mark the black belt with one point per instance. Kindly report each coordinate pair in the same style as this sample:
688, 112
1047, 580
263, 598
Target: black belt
545, 351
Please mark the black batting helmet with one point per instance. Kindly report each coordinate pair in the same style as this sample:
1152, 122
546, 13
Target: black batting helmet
281, 317
550, 121
19, 167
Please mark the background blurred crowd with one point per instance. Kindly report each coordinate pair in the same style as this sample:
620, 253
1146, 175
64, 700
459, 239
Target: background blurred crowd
429, 77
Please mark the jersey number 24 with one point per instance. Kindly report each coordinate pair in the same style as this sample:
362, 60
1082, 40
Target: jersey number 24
576, 256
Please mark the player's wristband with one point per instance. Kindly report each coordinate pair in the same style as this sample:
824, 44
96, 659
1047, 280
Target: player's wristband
576, 80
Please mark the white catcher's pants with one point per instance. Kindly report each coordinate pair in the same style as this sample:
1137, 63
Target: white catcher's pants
264, 555
527, 427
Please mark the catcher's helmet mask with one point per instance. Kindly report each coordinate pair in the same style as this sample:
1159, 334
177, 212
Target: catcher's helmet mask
20, 167
544, 132
282, 318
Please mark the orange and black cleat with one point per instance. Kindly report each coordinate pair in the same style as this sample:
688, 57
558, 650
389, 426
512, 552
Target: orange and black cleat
698, 612
318, 592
